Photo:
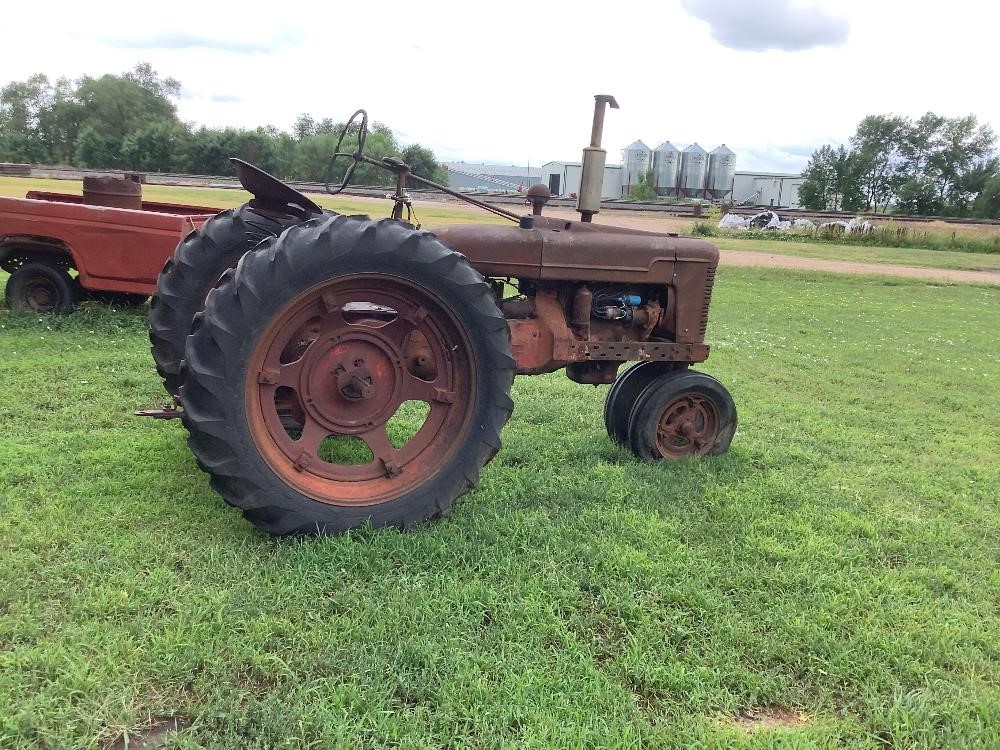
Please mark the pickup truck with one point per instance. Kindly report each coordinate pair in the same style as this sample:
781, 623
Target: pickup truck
59, 250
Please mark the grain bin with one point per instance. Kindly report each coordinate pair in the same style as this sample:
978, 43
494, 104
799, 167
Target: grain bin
721, 171
666, 166
636, 159
694, 166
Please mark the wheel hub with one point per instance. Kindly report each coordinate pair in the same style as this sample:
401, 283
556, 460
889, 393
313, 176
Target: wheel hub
687, 427
351, 381
40, 296
355, 382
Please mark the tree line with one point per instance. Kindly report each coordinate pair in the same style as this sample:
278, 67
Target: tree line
130, 122
933, 165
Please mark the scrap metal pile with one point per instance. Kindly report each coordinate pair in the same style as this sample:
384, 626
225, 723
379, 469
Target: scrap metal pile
769, 220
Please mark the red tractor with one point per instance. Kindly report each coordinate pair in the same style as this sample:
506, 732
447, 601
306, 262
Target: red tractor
346, 370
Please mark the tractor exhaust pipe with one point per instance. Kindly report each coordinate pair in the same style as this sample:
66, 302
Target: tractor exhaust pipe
588, 202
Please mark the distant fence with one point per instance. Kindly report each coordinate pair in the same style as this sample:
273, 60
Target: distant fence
15, 170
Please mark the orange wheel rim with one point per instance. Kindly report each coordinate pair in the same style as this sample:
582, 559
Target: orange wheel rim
335, 367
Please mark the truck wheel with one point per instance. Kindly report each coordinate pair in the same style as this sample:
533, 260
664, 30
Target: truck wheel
623, 394
187, 278
347, 372
683, 413
38, 287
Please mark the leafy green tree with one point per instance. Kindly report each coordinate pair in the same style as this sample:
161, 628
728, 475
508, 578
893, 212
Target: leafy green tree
878, 145
96, 150
158, 147
129, 121
918, 195
59, 123
21, 106
119, 105
422, 163
832, 180
644, 189
987, 204
304, 127
951, 155
209, 150
144, 75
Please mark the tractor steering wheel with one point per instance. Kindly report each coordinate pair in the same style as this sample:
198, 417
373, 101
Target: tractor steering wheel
355, 156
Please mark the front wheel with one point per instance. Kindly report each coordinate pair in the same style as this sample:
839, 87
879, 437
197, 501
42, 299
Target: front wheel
39, 287
680, 414
347, 372
622, 395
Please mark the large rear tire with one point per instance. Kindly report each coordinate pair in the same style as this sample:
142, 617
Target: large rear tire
307, 353
189, 275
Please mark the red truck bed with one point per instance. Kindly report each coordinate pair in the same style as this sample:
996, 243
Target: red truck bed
112, 249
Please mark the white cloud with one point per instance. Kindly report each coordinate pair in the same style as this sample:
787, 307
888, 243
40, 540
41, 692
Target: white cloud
769, 24
514, 87
272, 41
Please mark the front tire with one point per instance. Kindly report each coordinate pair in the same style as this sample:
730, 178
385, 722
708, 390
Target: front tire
680, 414
622, 395
305, 355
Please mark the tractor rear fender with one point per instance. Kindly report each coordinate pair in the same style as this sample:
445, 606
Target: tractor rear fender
270, 193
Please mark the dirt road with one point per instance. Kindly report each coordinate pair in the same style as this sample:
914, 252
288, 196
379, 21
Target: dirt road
749, 258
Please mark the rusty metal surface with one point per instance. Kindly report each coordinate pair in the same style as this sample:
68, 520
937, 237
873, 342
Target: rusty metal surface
113, 249
176, 209
548, 341
325, 366
575, 251
688, 426
113, 192
538, 195
166, 412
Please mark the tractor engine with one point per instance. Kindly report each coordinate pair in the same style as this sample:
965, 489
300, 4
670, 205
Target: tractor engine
592, 297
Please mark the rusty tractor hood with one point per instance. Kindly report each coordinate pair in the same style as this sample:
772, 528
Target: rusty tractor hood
561, 250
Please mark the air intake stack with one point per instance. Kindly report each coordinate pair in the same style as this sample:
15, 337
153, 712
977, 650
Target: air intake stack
592, 178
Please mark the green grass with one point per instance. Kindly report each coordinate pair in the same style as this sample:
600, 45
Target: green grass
841, 562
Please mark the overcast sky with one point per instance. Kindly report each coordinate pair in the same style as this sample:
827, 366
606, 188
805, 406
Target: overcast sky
512, 82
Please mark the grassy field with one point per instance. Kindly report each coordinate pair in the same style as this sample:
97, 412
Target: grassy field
831, 582
433, 213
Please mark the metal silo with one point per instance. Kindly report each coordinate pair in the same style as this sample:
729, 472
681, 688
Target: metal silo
721, 171
694, 167
666, 166
636, 159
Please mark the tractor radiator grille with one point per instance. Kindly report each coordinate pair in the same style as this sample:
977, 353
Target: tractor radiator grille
709, 283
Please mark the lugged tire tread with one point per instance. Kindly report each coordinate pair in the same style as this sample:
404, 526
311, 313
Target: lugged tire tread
192, 271
231, 311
